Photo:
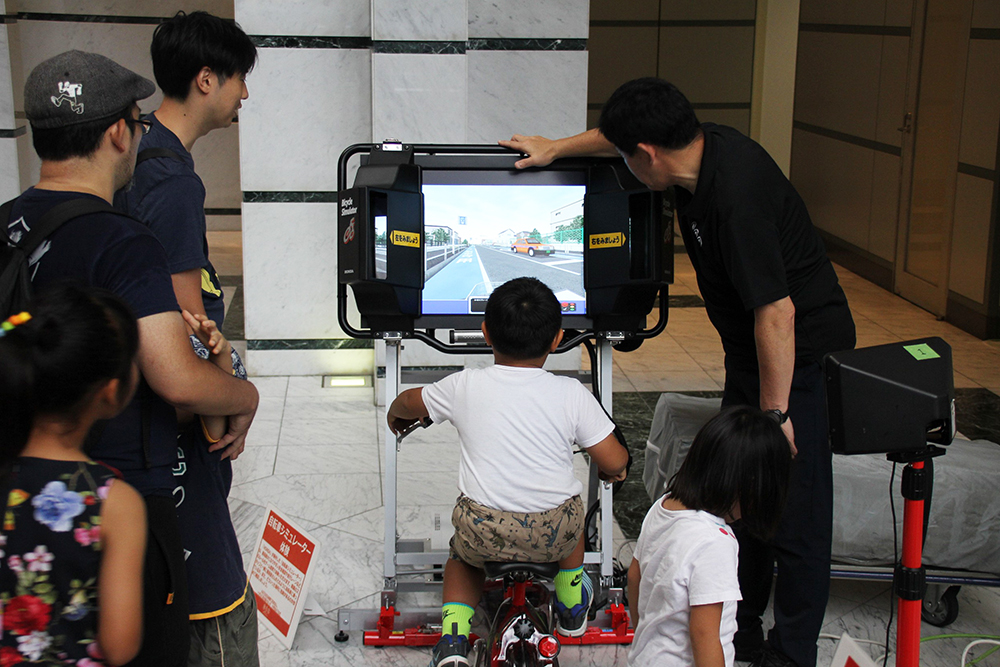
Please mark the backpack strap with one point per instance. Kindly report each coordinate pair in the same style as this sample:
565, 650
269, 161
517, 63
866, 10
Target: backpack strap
56, 216
5, 212
152, 153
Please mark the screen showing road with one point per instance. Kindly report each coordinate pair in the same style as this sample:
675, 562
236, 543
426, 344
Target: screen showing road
478, 237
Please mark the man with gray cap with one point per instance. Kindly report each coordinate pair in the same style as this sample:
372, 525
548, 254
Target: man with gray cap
86, 130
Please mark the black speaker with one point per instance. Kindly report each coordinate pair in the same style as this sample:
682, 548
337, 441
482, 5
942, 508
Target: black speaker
890, 398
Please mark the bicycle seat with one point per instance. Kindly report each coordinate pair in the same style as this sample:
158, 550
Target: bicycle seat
496, 570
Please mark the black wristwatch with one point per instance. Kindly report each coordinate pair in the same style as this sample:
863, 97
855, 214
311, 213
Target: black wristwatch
779, 416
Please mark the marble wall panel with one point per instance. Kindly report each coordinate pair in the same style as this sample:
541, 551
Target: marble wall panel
707, 10
223, 8
217, 161
526, 92
329, 18
981, 111
834, 179
308, 105
126, 44
837, 82
709, 64
419, 97
10, 184
27, 161
970, 237
6, 86
290, 271
526, 19
440, 20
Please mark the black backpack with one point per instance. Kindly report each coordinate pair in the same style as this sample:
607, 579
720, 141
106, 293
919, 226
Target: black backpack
15, 274
15, 281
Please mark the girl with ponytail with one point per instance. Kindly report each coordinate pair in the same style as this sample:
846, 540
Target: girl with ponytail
73, 535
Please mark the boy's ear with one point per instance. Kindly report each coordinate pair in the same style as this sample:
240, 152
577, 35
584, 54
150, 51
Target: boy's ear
486, 334
557, 340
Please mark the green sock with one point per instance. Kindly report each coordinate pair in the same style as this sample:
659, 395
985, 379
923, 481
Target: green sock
569, 587
456, 619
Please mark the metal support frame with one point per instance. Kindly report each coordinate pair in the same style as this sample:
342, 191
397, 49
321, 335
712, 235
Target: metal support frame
412, 557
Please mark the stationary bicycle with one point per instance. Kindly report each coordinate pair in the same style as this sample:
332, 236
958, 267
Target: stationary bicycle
520, 633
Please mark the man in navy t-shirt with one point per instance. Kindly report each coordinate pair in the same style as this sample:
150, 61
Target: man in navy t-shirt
773, 296
200, 62
85, 128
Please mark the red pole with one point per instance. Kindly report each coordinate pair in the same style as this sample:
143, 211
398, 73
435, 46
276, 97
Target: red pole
908, 627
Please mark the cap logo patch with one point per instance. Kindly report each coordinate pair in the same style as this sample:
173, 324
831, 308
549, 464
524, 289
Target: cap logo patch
69, 92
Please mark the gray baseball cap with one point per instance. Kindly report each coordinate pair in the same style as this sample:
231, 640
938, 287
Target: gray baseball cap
77, 87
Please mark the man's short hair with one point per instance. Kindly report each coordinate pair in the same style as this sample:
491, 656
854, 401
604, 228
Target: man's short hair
648, 111
186, 43
81, 140
523, 317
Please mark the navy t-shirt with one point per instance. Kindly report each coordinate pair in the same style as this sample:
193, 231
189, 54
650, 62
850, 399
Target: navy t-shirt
120, 255
168, 196
751, 242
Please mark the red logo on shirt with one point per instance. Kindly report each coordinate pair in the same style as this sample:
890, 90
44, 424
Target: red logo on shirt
726, 532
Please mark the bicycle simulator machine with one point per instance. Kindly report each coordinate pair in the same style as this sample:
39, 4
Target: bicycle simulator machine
425, 234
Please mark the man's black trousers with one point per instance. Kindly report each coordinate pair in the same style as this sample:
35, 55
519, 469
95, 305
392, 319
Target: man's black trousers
801, 547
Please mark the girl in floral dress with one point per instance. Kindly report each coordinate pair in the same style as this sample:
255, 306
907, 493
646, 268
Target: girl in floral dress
73, 535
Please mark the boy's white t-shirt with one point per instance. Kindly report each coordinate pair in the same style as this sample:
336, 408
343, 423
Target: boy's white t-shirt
686, 558
518, 428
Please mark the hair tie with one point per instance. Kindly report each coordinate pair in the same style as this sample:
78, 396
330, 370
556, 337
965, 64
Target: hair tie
13, 321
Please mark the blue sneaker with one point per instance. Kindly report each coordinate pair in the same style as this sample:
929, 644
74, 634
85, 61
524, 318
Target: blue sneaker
451, 652
573, 622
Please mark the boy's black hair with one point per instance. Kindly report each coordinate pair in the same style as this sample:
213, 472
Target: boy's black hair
648, 111
75, 340
523, 317
80, 140
740, 456
185, 43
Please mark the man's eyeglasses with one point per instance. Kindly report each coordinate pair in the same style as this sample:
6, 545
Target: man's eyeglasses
146, 125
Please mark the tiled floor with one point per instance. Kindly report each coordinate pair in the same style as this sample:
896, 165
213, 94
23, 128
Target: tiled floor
316, 454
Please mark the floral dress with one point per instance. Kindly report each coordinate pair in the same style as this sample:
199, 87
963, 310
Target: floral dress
50, 556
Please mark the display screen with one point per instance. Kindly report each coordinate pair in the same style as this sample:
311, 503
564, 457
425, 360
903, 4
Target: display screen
381, 230
477, 237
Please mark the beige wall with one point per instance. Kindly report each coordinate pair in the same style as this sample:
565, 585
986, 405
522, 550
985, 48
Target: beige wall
850, 98
705, 47
850, 89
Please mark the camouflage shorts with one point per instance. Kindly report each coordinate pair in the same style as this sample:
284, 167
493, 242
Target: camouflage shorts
484, 534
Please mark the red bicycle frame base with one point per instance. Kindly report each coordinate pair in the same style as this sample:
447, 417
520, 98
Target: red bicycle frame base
386, 635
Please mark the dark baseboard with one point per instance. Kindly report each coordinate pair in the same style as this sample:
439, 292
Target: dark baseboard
971, 317
870, 267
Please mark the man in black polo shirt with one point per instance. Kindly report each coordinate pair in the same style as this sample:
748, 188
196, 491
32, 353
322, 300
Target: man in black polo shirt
773, 295
85, 128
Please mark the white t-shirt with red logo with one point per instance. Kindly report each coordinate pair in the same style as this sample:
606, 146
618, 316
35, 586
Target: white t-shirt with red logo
686, 558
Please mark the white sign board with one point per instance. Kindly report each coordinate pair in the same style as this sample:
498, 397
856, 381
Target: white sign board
283, 563
850, 654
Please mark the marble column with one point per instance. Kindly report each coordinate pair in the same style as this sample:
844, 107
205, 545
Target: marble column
10, 126
341, 72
